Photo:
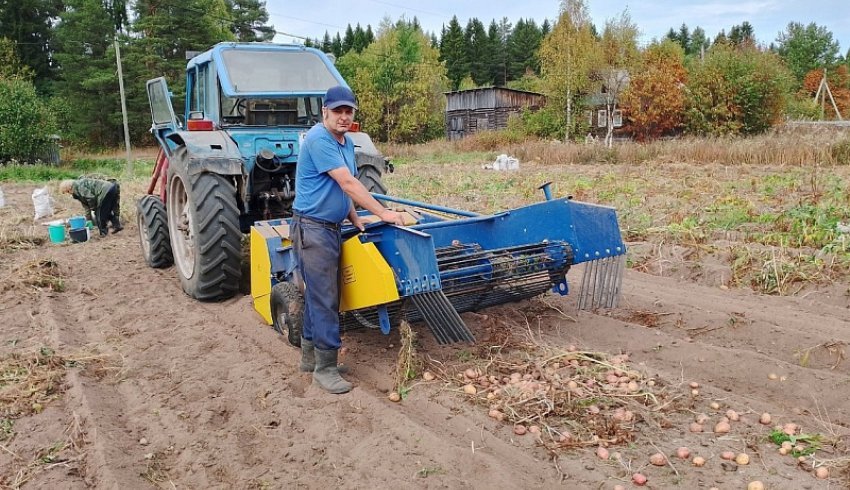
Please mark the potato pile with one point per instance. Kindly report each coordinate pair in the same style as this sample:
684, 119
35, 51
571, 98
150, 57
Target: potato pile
569, 398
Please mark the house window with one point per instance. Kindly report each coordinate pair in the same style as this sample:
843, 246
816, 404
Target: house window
618, 118
602, 118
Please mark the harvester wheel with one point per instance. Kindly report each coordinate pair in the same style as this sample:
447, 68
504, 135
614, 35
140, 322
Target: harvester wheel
153, 231
203, 222
288, 311
370, 177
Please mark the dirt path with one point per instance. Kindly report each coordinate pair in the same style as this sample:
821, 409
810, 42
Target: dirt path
165, 391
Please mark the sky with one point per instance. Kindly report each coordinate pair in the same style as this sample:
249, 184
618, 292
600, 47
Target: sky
653, 18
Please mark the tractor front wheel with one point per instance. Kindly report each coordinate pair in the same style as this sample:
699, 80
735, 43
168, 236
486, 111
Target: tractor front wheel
153, 231
203, 222
287, 304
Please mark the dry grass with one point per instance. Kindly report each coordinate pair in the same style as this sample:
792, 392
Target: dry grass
408, 364
67, 453
30, 380
38, 274
784, 146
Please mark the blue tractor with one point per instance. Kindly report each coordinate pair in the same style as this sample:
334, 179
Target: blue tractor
230, 160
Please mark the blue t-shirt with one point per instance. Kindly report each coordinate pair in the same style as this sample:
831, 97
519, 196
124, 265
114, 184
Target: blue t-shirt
317, 195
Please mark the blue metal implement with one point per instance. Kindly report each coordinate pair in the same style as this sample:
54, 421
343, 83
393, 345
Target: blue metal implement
443, 265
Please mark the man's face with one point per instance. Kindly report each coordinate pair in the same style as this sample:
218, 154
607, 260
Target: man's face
339, 119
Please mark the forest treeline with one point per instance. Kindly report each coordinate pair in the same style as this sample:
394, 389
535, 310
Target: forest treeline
58, 71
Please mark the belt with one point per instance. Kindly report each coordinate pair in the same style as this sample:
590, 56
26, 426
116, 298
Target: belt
315, 221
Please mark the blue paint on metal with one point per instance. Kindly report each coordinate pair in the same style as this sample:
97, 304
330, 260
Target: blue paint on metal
411, 256
432, 207
591, 230
384, 319
547, 190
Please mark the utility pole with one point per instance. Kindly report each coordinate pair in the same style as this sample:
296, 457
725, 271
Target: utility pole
129, 167
823, 91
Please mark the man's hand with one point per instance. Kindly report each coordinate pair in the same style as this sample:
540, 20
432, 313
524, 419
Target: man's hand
357, 222
392, 217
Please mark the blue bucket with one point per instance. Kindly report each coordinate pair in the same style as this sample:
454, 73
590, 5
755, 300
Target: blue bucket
77, 222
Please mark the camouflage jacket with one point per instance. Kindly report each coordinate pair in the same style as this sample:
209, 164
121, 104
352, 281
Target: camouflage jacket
90, 192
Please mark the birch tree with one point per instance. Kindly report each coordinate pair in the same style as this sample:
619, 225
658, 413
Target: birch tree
620, 56
567, 58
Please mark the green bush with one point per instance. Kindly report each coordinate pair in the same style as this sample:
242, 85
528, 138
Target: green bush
736, 90
26, 122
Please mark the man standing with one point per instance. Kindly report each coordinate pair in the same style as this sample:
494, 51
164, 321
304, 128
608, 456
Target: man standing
101, 196
326, 191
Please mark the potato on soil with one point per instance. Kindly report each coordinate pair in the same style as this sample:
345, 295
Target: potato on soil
639, 479
658, 459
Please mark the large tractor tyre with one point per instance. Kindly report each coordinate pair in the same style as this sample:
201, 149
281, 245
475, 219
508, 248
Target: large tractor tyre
203, 222
370, 177
153, 231
287, 304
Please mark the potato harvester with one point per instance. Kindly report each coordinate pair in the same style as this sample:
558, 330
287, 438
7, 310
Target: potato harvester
444, 262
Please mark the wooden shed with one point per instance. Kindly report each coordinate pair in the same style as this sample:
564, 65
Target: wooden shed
482, 109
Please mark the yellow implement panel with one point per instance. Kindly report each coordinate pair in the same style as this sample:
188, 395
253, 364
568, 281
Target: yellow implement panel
264, 238
365, 277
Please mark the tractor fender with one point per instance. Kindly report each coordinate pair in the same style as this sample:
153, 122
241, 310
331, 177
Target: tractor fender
209, 151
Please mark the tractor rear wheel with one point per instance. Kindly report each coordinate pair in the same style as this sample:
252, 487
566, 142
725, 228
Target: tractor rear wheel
153, 231
370, 177
203, 222
287, 304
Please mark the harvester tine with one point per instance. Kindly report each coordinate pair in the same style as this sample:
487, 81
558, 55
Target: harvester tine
441, 317
605, 283
582, 291
601, 283
618, 281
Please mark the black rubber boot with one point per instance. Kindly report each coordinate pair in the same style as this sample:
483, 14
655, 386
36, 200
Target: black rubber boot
308, 358
326, 374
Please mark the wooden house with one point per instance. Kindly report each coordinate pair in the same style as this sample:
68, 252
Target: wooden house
486, 109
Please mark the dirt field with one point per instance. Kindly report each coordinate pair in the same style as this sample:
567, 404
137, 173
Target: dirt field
112, 377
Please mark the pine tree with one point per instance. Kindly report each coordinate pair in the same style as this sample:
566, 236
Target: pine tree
370, 36
478, 52
336, 46
453, 53
29, 23
742, 34
155, 50
499, 55
250, 21
84, 50
359, 42
523, 46
327, 43
348, 39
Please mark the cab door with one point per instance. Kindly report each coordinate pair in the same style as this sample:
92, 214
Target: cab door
162, 113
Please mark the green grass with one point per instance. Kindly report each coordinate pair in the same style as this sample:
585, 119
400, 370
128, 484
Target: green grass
107, 167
